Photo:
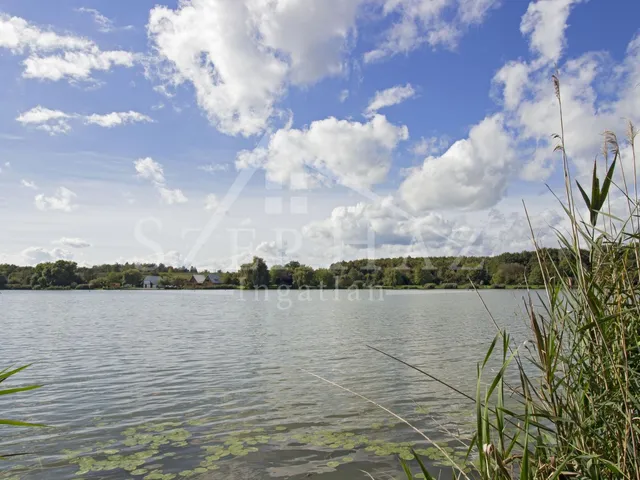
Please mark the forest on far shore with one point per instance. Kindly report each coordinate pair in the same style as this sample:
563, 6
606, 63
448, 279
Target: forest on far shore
505, 270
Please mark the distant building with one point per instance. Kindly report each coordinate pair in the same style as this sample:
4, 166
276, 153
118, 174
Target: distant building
215, 278
151, 281
198, 279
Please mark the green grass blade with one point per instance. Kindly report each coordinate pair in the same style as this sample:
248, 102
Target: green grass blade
406, 469
4, 376
423, 469
15, 423
19, 389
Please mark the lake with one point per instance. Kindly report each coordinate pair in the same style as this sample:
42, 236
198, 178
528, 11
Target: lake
209, 384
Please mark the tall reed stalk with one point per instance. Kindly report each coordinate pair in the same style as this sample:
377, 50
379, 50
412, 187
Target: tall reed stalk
577, 404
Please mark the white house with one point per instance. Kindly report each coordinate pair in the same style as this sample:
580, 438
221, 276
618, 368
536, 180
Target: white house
151, 281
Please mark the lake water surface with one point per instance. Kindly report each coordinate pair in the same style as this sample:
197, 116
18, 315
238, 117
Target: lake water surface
162, 384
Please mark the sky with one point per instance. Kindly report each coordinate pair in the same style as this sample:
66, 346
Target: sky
203, 132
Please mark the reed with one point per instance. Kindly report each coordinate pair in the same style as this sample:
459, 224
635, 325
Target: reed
575, 412
5, 375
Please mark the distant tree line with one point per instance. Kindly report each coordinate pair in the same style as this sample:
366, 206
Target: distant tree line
507, 269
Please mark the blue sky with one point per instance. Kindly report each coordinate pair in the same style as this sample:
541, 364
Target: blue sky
417, 126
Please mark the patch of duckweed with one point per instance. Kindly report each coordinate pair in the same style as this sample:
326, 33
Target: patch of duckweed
154, 439
158, 475
130, 462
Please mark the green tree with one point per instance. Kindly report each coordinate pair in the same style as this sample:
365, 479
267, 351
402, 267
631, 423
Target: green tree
422, 276
354, 275
325, 278
303, 277
255, 274
392, 277
100, 282
534, 277
279, 275
59, 274
509, 274
3, 281
132, 277
114, 278
229, 279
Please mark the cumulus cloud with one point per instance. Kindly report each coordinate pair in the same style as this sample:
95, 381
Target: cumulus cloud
171, 196
379, 223
52, 121
434, 22
472, 174
430, 146
355, 154
545, 23
148, 169
28, 184
117, 118
240, 55
17, 35
35, 255
57, 122
55, 57
389, 97
72, 242
75, 65
531, 108
62, 200
211, 202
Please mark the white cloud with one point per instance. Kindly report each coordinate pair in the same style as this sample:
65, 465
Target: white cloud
382, 222
57, 122
104, 24
356, 154
148, 169
514, 76
72, 242
28, 184
62, 200
472, 174
474, 11
215, 167
171, 197
430, 146
344, 94
17, 35
389, 97
75, 65
545, 23
76, 59
211, 202
533, 115
117, 118
51, 121
35, 255
434, 22
240, 55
